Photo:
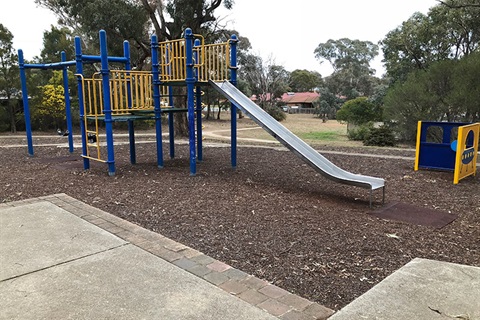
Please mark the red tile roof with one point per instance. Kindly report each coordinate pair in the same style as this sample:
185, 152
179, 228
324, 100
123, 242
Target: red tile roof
299, 97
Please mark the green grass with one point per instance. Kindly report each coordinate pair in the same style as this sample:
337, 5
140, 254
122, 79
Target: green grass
323, 135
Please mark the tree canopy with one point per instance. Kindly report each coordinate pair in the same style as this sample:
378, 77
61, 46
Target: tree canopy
304, 80
9, 75
445, 33
350, 59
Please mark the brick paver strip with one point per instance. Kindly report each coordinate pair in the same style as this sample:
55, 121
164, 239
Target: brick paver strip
274, 307
318, 311
295, 301
170, 256
273, 291
215, 277
254, 282
236, 274
250, 289
233, 287
296, 315
174, 246
199, 270
203, 259
218, 266
253, 297
184, 263
190, 253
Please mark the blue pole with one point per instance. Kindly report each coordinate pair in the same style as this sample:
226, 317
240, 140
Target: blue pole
198, 94
171, 117
233, 113
156, 100
131, 127
68, 108
107, 108
190, 80
81, 102
26, 108
171, 127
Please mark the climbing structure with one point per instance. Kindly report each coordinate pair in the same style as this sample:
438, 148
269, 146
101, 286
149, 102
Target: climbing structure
127, 95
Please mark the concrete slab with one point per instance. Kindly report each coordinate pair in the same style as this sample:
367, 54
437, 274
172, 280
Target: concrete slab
40, 235
422, 289
122, 283
54, 265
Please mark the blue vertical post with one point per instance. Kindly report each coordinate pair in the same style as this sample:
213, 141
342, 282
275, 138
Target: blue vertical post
233, 113
198, 93
131, 127
190, 80
198, 102
107, 107
171, 117
26, 107
156, 100
81, 102
171, 127
68, 108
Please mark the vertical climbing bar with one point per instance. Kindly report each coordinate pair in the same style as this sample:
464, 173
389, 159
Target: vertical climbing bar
81, 101
190, 80
68, 109
233, 113
198, 93
156, 100
107, 106
26, 107
131, 127
171, 127
198, 102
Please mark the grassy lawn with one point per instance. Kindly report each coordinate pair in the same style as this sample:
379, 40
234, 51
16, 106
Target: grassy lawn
309, 128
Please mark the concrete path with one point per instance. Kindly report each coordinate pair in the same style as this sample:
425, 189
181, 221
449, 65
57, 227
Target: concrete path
63, 259
422, 289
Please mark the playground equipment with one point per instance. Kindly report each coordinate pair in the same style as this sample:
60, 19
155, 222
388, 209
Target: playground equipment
295, 144
127, 95
448, 146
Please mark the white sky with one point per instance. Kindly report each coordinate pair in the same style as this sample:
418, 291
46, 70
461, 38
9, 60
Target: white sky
287, 31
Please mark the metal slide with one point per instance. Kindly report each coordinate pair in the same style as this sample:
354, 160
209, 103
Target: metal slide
294, 143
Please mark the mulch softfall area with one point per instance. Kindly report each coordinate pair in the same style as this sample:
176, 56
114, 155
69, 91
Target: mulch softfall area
274, 216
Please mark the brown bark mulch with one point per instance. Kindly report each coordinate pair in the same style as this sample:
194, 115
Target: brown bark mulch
273, 217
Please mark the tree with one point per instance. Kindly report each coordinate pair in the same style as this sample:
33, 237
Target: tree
359, 111
304, 80
443, 34
266, 80
54, 42
328, 104
132, 20
423, 96
465, 94
9, 77
121, 19
350, 60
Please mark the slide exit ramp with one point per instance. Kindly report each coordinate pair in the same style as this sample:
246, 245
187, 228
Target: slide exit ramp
295, 144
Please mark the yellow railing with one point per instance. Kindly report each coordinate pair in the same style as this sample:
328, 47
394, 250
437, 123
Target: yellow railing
211, 62
172, 59
92, 107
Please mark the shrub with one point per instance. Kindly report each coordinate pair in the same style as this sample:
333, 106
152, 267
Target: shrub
382, 137
359, 133
276, 113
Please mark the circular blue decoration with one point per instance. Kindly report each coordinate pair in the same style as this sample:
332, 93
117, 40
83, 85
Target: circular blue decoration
453, 145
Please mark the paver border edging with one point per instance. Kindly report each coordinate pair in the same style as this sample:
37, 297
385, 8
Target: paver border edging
255, 291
